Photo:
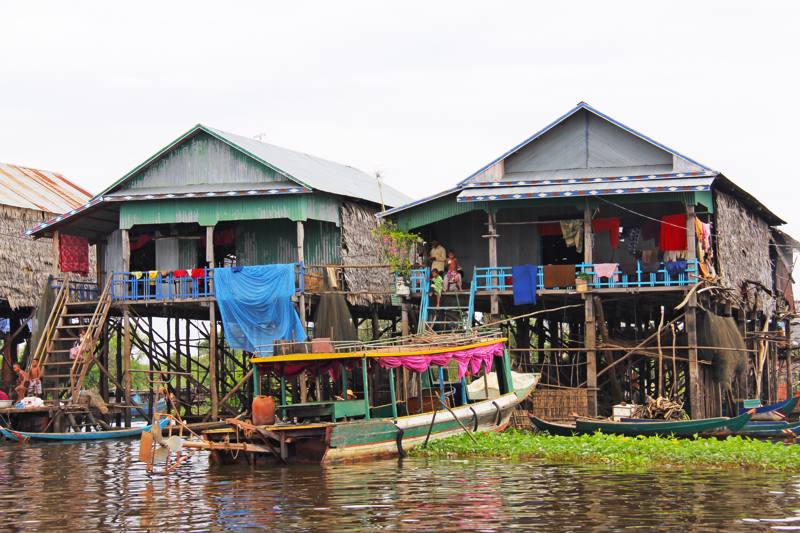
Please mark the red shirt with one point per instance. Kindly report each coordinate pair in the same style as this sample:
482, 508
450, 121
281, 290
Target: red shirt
3, 395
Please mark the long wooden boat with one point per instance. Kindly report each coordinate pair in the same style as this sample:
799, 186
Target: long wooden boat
77, 436
785, 407
562, 430
331, 429
678, 428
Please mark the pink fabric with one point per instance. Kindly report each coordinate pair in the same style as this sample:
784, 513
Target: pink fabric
469, 361
606, 270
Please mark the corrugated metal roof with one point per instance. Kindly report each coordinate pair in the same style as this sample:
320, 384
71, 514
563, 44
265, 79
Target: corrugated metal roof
315, 172
41, 190
559, 120
483, 194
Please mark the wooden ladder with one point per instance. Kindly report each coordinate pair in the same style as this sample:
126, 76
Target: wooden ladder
94, 329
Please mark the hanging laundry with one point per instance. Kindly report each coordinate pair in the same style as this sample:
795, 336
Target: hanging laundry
572, 231
632, 238
603, 253
673, 233
651, 229
198, 273
180, 274
136, 274
525, 279
675, 268
650, 262
606, 270
73, 254
611, 225
140, 241
559, 276
674, 255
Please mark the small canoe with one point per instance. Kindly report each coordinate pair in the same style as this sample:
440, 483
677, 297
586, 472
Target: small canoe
678, 428
785, 407
563, 430
78, 436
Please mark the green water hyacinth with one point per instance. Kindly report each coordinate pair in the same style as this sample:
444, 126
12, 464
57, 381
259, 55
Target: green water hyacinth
633, 452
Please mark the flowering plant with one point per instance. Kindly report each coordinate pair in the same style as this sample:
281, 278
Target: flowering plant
398, 247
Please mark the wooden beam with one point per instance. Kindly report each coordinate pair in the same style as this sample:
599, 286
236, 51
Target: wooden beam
494, 300
126, 359
126, 251
695, 403
590, 333
210, 246
56, 255
212, 359
301, 301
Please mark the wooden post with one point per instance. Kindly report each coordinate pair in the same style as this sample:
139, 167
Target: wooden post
404, 328
212, 359
104, 342
392, 396
789, 382
695, 403
494, 300
210, 246
126, 359
100, 252
56, 254
590, 331
301, 300
365, 379
152, 388
126, 251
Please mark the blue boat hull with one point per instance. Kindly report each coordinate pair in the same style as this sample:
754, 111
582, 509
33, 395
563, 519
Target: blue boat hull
78, 436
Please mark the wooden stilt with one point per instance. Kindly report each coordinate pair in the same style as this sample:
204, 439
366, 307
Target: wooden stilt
126, 360
212, 359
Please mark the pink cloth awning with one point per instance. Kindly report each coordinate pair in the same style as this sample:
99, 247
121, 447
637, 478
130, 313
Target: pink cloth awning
469, 361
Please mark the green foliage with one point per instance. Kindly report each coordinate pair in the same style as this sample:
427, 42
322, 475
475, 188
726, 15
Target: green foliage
639, 452
398, 246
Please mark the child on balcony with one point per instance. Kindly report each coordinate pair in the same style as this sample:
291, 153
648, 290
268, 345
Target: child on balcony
453, 276
436, 286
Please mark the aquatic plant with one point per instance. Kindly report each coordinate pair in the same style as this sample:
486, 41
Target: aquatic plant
635, 452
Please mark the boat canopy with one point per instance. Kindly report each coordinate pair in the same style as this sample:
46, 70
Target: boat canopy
470, 358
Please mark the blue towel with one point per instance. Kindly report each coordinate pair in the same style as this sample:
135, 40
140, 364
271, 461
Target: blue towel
524, 278
676, 268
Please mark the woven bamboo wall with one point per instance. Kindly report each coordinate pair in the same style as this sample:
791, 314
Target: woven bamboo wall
560, 404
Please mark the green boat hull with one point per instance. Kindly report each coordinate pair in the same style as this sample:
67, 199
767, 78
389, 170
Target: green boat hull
678, 428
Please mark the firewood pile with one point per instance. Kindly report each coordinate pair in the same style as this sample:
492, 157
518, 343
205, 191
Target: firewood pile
660, 409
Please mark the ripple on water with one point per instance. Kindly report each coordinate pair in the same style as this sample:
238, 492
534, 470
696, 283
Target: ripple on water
101, 487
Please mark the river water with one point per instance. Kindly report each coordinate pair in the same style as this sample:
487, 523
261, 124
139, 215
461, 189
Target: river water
100, 487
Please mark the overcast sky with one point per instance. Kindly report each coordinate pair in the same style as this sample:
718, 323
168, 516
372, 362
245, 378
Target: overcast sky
424, 92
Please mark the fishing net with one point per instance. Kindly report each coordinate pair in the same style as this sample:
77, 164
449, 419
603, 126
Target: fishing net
714, 332
332, 319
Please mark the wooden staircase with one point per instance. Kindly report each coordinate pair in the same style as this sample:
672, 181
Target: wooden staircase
63, 377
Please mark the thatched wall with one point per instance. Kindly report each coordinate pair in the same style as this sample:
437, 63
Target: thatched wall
361, 247
743, 251
24, 263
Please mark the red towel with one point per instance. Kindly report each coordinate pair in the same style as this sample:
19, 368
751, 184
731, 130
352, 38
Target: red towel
673, 239
198, 273
549, 230
610, 225
73, 254
180, 274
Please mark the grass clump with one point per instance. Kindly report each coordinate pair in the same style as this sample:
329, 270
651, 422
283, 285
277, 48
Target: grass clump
635, 452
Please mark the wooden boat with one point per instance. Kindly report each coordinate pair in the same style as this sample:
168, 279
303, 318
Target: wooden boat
77, 436
678, 428
331, 429
785, 407
562, 430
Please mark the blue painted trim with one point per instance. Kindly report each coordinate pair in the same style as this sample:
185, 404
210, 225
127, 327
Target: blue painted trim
594, 192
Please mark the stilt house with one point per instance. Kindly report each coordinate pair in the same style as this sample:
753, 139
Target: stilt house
212, 199
614, 227
28, 197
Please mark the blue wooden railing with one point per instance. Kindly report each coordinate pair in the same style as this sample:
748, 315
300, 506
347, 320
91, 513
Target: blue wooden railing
500, 279
155, 286
79, 291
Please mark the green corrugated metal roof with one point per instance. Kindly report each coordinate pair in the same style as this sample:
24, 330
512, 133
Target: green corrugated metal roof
434, 211
209, 211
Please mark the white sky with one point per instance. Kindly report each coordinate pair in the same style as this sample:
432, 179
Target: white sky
425, 92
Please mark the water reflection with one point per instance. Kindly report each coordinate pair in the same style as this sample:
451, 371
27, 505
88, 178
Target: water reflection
100, 487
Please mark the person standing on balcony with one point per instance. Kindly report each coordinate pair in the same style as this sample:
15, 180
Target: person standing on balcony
438, 256
453, 277
436, 286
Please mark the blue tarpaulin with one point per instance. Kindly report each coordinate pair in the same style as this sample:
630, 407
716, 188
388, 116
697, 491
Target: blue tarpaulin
256, 306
